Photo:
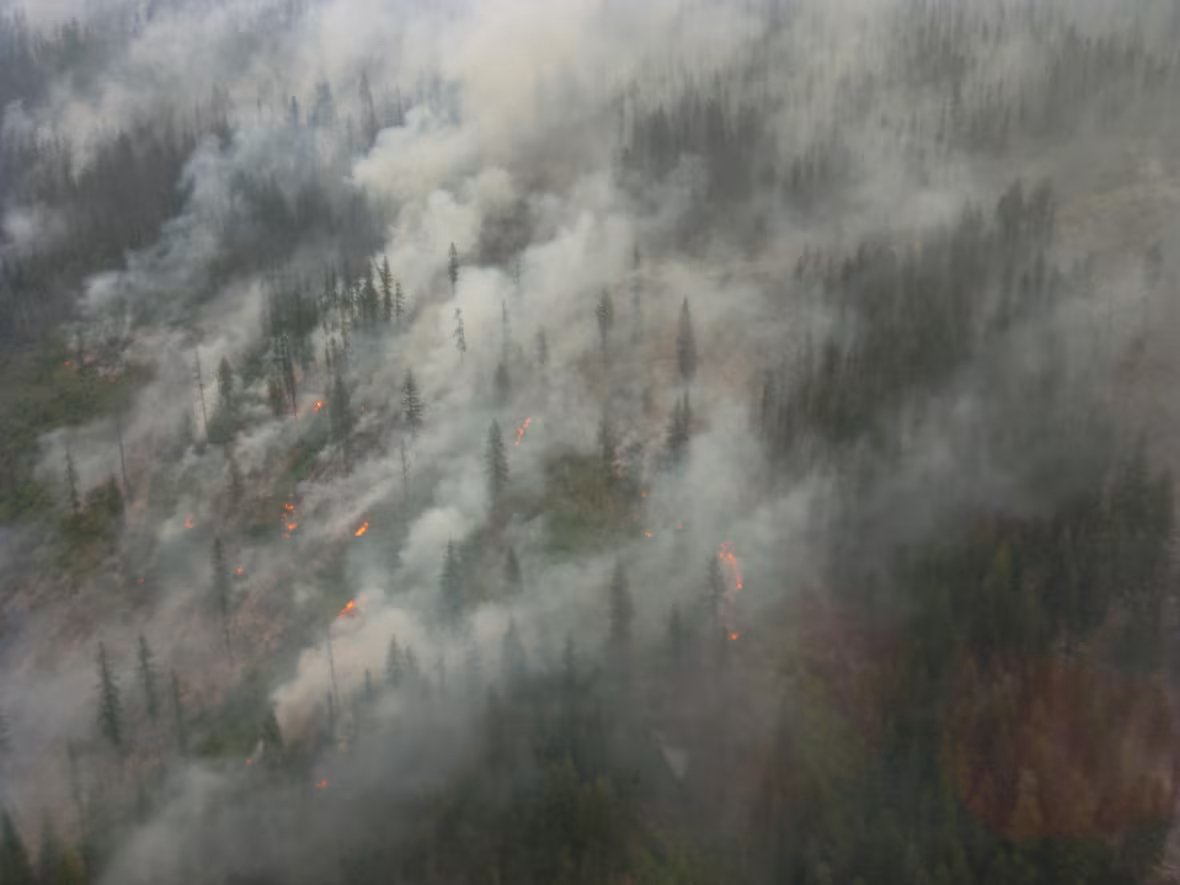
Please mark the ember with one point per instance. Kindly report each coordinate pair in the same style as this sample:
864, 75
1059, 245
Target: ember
522, 430
319, 404
348, 610
360, 533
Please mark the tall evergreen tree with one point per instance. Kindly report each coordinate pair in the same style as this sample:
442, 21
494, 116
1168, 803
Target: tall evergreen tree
513, 658
459, 334
225, 384
5, 735
605, 314
621, 608
341, 419
399, 304
451, 586
542, 350
148, 678
15, 868
110, 703
221, 587
453, 268
496, 462
503, 384
395, 668
686, 347
412, 407
680, 429
607, 447
179, 718
72, 483
387, 291
513, 577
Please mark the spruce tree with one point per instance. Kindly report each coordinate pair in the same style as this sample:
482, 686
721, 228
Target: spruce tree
225, 384
503, 385
72, 483
453, 268
451, 586
387, 295
179, 719
399, 304
607, 448
605, 314
110, 704
513, 578
686, 348
460, 335
622, 609
341, 419
15, 868
412, 407
542, 350
221, 587
395, 669
513, 658
496, 462
148, 678
680, 429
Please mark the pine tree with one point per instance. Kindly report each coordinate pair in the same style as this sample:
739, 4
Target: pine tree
677, 639
453, 268
110, 704
503, 384
225, 384
607, 448
542, 349
388, 305
459, 334
686, 348
513, 578
412, 407
221, 587
636, 298
605, 314
15, 868
72, 483
395, 669
496, 462
5, 736
147, 677
451, 586
399, 304
340, 418
370, 300
622, 609
513, 658
179, 719
680, 429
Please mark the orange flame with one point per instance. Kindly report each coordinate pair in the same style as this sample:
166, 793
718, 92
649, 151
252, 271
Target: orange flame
240, 570
734, 635
732, 569
292, 526
289, 507
348, 610
360, 533
319, 404
522, 430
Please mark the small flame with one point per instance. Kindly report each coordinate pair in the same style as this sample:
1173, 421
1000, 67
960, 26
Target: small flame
734, 635
188, 522
360, 533
522, 430
348, 610
289, 507
292, 526
322, 784
319, 404
240, 570
648, 533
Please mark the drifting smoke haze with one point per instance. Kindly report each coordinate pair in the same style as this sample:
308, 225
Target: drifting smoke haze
784, 493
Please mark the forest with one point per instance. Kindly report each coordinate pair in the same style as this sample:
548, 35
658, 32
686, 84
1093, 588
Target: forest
589, 443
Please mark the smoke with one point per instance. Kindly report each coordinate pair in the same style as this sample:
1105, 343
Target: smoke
505, 136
